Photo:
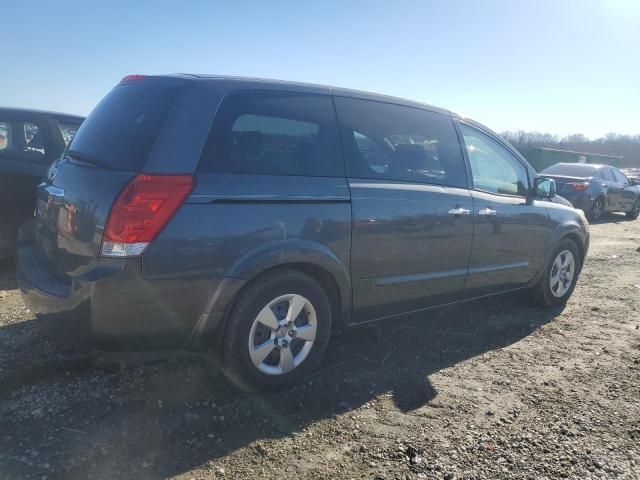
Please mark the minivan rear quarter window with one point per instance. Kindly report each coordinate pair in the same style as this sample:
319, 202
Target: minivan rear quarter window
394, 142
123, 128
274, 133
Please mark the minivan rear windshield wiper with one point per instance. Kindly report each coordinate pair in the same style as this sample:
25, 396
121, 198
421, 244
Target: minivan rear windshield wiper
75, 155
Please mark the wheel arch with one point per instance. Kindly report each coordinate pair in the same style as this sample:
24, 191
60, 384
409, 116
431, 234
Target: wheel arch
568, 229
316, 261
319, 273
575, 238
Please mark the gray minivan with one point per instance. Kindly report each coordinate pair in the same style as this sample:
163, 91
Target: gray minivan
251, 218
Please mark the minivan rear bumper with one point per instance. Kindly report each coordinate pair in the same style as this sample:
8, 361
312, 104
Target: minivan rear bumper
115, 308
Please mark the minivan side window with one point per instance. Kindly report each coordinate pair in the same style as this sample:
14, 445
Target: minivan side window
67, 130
394, 142
493, 167
20, 140
4, 135
607, 173
274, 133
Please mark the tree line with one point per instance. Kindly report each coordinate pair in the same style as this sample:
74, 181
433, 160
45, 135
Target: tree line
627, 146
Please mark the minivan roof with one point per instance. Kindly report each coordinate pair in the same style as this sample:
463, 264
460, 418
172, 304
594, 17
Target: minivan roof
42, 112
249, 82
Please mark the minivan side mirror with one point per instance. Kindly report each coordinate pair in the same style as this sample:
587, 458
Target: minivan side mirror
544, 188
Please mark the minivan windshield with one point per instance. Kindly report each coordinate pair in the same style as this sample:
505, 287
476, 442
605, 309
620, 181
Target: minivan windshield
123, 128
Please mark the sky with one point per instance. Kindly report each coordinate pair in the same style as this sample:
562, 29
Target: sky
557, 66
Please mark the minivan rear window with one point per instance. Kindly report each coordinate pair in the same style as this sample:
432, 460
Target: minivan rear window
570, 170
123, 128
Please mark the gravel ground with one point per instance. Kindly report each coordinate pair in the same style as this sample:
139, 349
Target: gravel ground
495, 389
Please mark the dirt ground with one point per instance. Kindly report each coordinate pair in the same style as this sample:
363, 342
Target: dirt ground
495, 389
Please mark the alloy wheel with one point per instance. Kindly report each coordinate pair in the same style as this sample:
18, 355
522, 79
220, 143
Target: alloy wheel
562, 273
596, 210
282, 334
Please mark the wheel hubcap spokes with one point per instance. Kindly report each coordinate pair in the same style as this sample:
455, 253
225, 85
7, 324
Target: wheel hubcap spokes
282, 334
597, 209
562, 273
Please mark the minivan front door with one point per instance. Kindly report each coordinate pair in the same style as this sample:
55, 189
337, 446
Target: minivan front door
411, 208
510, 231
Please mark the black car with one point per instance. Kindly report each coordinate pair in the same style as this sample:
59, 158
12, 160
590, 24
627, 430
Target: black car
596, 189
29, 141
251, 218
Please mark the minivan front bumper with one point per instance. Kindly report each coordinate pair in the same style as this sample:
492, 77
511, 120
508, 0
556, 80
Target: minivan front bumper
114, 307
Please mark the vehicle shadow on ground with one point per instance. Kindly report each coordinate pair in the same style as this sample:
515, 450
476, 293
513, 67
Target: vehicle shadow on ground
7, 274
613, 217
167, 418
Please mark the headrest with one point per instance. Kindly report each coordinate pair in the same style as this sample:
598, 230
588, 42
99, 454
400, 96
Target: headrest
409, 156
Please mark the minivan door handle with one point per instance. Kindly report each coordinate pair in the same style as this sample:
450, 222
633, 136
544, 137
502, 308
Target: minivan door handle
486, 211
459, 211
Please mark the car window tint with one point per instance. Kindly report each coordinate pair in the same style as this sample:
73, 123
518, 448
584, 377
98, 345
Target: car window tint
121, 131
33, 138
570, 170
4, 135
494, 168
619, 176
274, 133
67, 130
394, 142
608, 175
21, 140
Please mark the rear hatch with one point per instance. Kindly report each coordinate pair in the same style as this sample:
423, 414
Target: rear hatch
109, 149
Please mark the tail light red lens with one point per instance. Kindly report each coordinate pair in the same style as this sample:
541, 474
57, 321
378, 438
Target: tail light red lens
142, 210
132, 78
580, 186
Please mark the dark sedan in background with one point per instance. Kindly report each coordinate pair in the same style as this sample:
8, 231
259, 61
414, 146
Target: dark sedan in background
596, 189
30, 140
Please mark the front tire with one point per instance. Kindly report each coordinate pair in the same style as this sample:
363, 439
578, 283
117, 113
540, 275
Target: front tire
560, 275
278, 331
635, 210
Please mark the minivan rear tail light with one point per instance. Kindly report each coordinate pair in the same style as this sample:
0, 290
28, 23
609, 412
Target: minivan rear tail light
580, 186
141, 211
132, 78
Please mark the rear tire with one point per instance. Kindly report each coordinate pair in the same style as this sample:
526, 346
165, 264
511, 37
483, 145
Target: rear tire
267, 344
635, 210
597, 210
560, 275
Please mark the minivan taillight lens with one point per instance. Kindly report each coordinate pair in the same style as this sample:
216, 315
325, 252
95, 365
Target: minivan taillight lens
141, 211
